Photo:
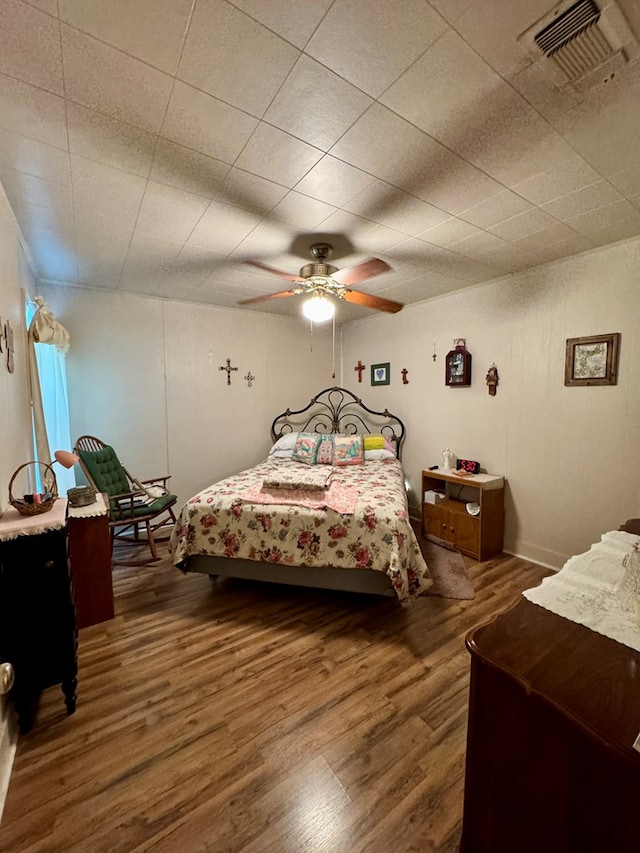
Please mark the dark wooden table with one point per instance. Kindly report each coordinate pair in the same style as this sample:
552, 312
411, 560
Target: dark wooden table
554, 710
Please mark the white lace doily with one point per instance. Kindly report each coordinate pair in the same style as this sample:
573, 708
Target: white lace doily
586, 590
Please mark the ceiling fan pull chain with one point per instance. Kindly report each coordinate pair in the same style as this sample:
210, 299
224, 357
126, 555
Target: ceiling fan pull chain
333, 364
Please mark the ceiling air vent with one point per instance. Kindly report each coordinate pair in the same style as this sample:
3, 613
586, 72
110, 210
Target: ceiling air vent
588, 43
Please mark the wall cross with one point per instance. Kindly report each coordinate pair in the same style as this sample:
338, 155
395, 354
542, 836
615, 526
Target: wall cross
404, 372
359, 368
228, 368
249, 379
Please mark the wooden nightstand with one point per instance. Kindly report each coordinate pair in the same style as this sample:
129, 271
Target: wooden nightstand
480, 536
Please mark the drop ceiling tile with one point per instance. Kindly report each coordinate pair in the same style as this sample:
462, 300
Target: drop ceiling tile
96, 247
451, 9
244, 65
32, 112
35, 158
57, 214
564, 177
455, 85
546, 245
497, 208
493, 33
627, 181
222, 227
448, 232
196, 120
30, 46
608, 224
188, 170
557, 232
397, 34
386, 145
343, 222
582, 201
605, 127
151, 30
475, 245
31, 189
106, 140
273, 154
105, 198
412, 215
301, 211
542, 87
316, 105
510, 258
523, 224
250, 192
294, 26
333, 181
168, 213
108, 81
50, 6
54, 253
379, 239
271, 238
458, 90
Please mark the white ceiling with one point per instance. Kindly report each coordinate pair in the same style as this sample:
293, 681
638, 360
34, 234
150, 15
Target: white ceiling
151, 146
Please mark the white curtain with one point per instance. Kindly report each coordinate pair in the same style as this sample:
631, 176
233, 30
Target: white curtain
48, 345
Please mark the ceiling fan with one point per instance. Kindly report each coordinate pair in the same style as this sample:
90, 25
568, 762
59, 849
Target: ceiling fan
321, 280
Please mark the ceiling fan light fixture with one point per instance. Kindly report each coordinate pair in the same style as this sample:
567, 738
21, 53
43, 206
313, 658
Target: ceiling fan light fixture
319, 308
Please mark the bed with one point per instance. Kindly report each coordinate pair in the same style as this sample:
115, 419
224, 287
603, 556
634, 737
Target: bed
342, 526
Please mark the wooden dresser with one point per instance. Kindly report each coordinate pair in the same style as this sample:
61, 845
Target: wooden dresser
554, 711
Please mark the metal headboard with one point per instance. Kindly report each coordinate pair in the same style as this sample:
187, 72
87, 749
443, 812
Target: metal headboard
338, 410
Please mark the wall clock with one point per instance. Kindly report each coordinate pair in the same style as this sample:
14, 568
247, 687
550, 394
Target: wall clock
458, 365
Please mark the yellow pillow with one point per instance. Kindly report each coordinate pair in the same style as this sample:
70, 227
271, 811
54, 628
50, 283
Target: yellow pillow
374, 442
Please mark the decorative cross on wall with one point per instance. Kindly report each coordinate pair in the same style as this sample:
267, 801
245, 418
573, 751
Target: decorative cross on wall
404, 372
359, 368
249, 379
228, 368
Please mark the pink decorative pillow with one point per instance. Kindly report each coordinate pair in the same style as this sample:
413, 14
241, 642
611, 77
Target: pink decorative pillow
325, 451
306, 447
348, 450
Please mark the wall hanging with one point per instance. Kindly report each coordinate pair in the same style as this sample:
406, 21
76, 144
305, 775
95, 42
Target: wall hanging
228, 368
458, 365
381, 374
249, 377
492, 379
592, 360
359, 368
404, 373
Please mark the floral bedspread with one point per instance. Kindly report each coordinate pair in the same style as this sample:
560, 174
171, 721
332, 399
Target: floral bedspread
376, 536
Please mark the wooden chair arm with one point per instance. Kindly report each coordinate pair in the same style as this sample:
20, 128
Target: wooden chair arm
154, 480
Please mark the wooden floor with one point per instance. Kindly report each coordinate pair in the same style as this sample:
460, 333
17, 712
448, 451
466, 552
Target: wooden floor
248, 717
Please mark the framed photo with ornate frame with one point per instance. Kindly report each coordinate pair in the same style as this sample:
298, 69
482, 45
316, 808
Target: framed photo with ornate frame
592, 360
381, 374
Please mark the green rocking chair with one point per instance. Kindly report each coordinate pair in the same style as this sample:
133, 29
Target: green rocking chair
132, 503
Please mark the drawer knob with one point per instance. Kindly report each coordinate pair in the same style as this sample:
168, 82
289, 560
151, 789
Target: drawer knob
6, 677
49, 564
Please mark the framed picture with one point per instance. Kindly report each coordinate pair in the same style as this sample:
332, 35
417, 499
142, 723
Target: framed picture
592, 360
381, 374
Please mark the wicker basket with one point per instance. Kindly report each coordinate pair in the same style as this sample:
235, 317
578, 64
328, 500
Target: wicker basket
47, 475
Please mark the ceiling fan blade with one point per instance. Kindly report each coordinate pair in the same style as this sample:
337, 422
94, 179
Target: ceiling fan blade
268, 296
273, 271
370, 301
367, 269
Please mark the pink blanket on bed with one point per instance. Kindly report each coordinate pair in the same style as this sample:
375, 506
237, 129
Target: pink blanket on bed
342, 499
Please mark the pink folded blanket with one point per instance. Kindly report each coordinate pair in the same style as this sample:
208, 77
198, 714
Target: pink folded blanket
342, 499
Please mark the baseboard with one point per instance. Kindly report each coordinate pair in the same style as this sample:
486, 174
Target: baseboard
8, 743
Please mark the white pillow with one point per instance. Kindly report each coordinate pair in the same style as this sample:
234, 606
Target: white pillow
377, 455
284, 445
